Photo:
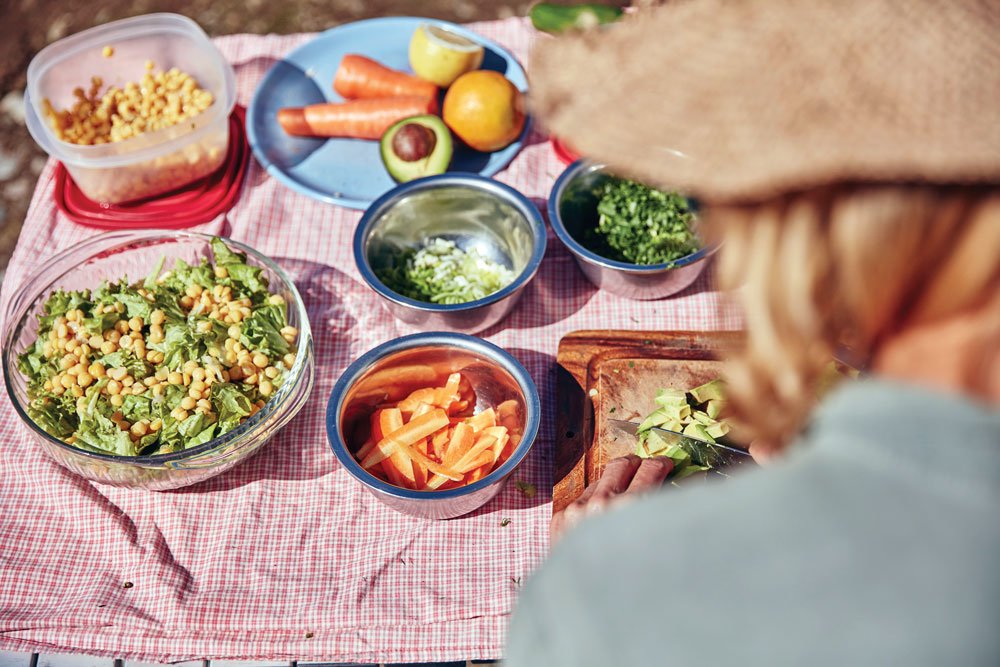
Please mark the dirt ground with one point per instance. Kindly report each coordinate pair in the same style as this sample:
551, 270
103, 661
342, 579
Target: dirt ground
26, 26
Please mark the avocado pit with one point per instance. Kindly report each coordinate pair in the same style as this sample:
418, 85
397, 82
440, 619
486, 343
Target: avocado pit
413, 142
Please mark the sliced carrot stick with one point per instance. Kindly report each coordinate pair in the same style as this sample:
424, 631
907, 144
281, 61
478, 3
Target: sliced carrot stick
390, 422
355, 119
422, 409
403, 439
480, 454
479, 473
438, 444
411, 402
359, 77
484, 419
462, 439
486, 458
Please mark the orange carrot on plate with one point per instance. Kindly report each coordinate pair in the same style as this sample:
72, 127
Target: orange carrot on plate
356, 119
359, 77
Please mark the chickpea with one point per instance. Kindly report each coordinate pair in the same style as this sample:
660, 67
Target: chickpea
117, 400
84, 379
128, 381
179, 414
197, 375
266, 388
139, 429
289, 359
175, 378
155, 425
271, 372
113, 387
95, 342
198, 385
260, 360
135, 324
117, 373
234, 333
188, 403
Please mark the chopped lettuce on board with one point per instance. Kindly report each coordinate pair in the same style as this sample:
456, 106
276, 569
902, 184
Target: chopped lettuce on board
92, 388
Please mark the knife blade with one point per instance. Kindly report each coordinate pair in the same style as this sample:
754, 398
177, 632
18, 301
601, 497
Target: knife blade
703, 452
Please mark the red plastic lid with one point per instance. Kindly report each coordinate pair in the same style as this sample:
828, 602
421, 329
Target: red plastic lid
564, 152
193, 204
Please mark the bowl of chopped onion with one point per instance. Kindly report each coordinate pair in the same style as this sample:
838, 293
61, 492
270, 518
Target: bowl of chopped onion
450, 252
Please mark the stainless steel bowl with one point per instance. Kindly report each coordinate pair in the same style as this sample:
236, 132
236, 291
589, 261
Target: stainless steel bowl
112, 256
495, 376
470, 210
573, 208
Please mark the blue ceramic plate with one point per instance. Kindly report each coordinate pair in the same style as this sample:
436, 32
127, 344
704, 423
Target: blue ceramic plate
349, 172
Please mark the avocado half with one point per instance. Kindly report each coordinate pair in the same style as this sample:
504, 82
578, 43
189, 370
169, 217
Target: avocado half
415, 147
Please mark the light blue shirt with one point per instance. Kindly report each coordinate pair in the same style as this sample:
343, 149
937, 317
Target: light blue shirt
876, 541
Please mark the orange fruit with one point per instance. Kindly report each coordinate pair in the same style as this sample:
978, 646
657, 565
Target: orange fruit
484, 109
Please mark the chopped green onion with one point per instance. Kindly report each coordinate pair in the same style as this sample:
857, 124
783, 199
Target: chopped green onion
441, 272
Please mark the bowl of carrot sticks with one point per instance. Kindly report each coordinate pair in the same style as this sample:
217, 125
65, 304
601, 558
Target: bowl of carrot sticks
433, 424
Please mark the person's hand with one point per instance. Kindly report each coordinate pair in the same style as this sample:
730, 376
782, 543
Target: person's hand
623, 478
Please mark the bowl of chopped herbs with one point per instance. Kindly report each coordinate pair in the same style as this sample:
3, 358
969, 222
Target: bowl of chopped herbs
630, 239
450, 252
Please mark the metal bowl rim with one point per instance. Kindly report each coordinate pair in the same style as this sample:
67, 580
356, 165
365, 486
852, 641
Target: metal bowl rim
300, 370
432, 339
473, 182
555, 219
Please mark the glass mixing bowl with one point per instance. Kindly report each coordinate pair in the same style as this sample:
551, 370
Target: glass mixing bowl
112, 256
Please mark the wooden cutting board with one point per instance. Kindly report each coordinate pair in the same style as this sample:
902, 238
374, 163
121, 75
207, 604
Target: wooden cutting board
614, 375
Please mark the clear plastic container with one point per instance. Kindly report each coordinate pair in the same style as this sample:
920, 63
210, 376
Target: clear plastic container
152, 162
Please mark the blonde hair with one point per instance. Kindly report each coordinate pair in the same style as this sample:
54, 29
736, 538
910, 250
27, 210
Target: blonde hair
846, 266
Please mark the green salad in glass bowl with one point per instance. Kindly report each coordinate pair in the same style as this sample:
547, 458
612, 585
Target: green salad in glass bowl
171, 371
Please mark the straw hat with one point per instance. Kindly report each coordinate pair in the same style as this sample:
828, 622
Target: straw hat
767, 96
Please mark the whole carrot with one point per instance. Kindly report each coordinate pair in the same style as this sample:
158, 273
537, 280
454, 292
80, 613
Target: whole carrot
359, 77
356, 119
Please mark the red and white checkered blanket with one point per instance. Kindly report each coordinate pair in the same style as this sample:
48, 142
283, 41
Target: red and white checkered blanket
287, 557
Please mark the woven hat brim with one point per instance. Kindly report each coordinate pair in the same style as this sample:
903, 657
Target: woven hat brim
765, 97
